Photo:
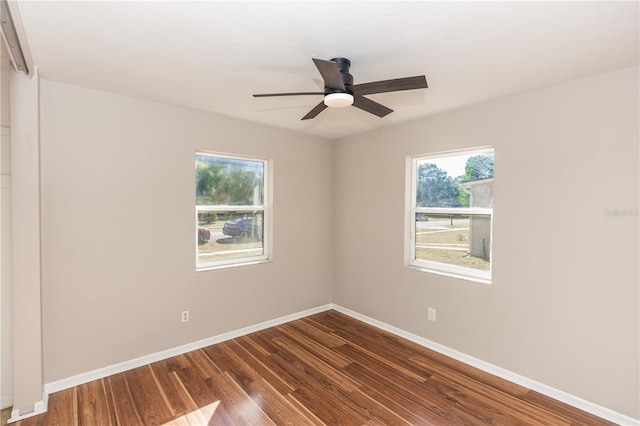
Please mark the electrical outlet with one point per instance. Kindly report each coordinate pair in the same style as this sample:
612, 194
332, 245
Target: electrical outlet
185, 316
431, 314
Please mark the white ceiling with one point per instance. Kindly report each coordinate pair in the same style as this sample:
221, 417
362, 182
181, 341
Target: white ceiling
214, 55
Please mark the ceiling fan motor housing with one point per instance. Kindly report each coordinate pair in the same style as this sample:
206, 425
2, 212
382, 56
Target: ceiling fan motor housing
343, 65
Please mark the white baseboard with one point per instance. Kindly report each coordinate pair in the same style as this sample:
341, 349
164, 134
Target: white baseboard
556, 394
100, 373
39, 407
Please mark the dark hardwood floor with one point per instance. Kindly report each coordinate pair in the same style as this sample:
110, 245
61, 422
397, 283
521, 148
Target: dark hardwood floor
324, 369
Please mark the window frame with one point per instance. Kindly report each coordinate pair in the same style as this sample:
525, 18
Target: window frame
266, 209
412, 210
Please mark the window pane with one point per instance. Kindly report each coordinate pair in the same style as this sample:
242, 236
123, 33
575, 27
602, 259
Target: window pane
228, 235
222, 181
444, 181
454, 239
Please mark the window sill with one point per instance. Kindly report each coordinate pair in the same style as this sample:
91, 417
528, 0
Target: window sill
449, 274
231, 265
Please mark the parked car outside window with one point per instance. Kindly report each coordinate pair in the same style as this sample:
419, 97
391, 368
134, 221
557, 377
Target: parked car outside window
242, 228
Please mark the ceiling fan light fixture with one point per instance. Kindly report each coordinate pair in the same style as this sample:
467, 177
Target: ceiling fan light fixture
338, 100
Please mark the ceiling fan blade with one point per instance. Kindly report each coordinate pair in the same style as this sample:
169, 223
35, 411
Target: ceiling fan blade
394, 85
315, 111
371, 106
330, 73
264, 95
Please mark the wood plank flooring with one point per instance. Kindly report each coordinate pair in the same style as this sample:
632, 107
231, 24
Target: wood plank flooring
323, 369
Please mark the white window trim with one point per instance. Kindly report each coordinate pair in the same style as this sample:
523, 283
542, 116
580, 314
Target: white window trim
266, 208
412, 210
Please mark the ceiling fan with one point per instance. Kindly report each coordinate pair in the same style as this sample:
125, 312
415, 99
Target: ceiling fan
339, 90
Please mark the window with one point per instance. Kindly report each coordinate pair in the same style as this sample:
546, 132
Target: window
232, 213
450, 210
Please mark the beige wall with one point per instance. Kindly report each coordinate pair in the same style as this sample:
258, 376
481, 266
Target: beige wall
118, 229
563, 308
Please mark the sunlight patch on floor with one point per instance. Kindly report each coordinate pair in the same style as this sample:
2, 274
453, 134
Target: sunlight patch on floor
201, 416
